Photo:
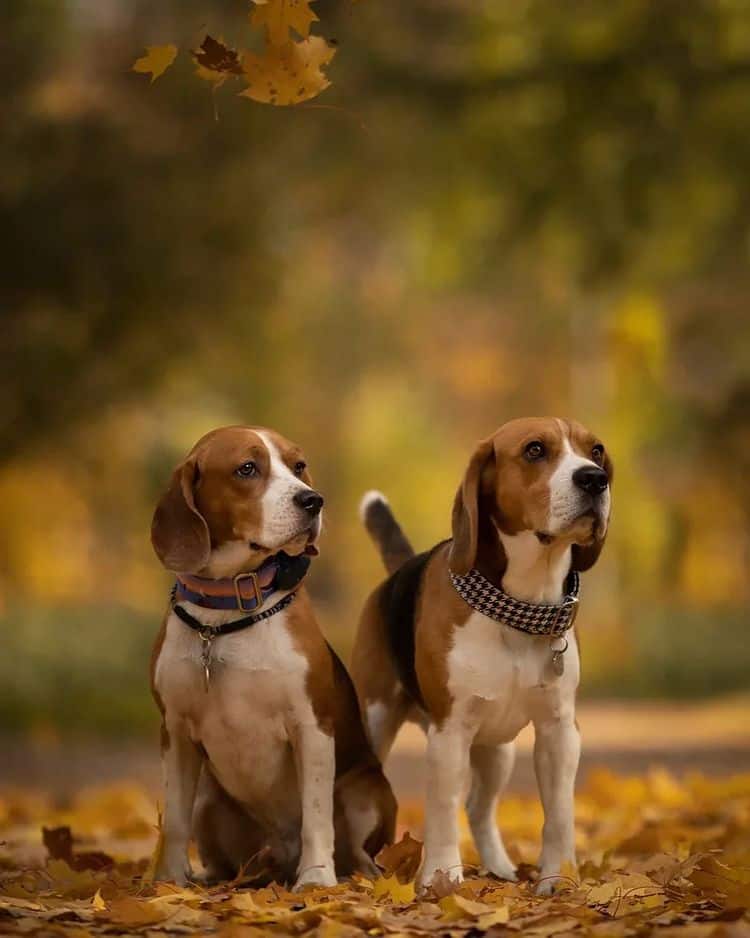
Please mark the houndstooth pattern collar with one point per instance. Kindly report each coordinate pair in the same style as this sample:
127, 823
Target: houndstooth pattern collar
533, 618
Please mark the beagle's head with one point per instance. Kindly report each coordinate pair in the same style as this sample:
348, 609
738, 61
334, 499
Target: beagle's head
537, 474
241, 494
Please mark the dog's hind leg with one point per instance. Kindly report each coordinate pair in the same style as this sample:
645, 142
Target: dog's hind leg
365, 820
491, 768
227, 838
382, 699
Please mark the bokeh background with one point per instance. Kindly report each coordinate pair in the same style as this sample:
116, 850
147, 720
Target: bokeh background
498, 209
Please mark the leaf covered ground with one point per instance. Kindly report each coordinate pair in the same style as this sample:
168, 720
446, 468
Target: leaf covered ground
656, 855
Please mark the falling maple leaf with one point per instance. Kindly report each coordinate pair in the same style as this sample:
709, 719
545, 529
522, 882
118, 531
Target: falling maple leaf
216, 61
278, 17
288, 74
156, 60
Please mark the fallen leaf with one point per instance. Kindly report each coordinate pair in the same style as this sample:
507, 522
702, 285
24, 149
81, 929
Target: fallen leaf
134, 913
400, 893
442, 884
401, 859
65, 881
456, 907
98, 903
497, 916
156, 60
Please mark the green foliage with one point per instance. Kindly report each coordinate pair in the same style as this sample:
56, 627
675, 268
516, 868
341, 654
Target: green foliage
499, 209
76, 669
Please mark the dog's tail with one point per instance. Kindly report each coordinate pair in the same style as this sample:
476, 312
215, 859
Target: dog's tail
383, 528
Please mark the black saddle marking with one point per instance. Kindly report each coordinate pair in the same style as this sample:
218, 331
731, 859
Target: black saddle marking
398, 605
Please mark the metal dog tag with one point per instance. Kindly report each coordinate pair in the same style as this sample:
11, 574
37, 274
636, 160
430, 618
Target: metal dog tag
558, 660
206, 658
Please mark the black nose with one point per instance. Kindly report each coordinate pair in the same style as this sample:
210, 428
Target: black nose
591, 479
309, 501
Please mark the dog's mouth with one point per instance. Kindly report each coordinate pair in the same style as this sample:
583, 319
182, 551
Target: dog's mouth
303, 542
584, 528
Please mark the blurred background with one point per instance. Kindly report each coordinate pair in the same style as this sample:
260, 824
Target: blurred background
497, 209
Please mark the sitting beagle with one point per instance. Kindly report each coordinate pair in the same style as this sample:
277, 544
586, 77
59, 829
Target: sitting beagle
263, 747
471, 639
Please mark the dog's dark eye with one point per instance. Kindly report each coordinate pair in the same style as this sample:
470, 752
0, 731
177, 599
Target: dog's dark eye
534, 450
247, 470
299, 467
597, 454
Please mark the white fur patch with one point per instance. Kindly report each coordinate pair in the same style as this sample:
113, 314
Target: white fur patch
282, 518
377, 717
257, 686
368, 499
536, 572
566, 500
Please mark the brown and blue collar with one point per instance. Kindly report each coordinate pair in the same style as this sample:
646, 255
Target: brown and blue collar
246, 591
550, 619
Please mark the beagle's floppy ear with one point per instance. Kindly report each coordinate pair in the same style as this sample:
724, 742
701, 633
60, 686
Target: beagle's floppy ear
179, 532
584, 556
463, 552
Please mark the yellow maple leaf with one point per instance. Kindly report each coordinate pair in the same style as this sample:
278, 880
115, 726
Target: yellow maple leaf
280, 16
498, 916
402, 858
400, 893
603, 893
456, 907
98, 903
65, 881
156, 60
287, 74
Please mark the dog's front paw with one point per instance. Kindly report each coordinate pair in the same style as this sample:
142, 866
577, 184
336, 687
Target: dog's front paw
323, 875
547, 885
179, 873
504, 871
551, 881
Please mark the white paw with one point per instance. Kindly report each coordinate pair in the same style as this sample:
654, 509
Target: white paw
178, 873
323, 875
550, 882
503, 870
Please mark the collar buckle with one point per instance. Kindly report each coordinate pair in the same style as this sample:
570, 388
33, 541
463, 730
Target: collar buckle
570, 602
253, 577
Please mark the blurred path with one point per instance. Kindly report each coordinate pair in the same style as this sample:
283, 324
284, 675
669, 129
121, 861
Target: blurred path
628, 737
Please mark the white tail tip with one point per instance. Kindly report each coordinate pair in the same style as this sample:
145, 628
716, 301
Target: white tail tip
369, 498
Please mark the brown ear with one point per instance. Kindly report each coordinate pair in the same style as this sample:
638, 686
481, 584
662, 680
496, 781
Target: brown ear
179, 531
463, 551
584, 556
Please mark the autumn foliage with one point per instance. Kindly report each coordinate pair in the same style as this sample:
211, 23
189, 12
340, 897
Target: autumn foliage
288, 70
656, 856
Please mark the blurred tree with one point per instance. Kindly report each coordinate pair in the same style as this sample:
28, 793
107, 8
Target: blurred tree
497, 208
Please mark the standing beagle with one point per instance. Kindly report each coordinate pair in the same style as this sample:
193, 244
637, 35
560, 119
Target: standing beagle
263, 747
472, 640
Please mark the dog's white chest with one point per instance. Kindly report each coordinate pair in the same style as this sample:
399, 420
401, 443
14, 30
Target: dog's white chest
244, 721
507, 677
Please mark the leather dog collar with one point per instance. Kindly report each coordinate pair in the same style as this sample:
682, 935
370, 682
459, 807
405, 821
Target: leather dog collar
552, 620
246, 591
